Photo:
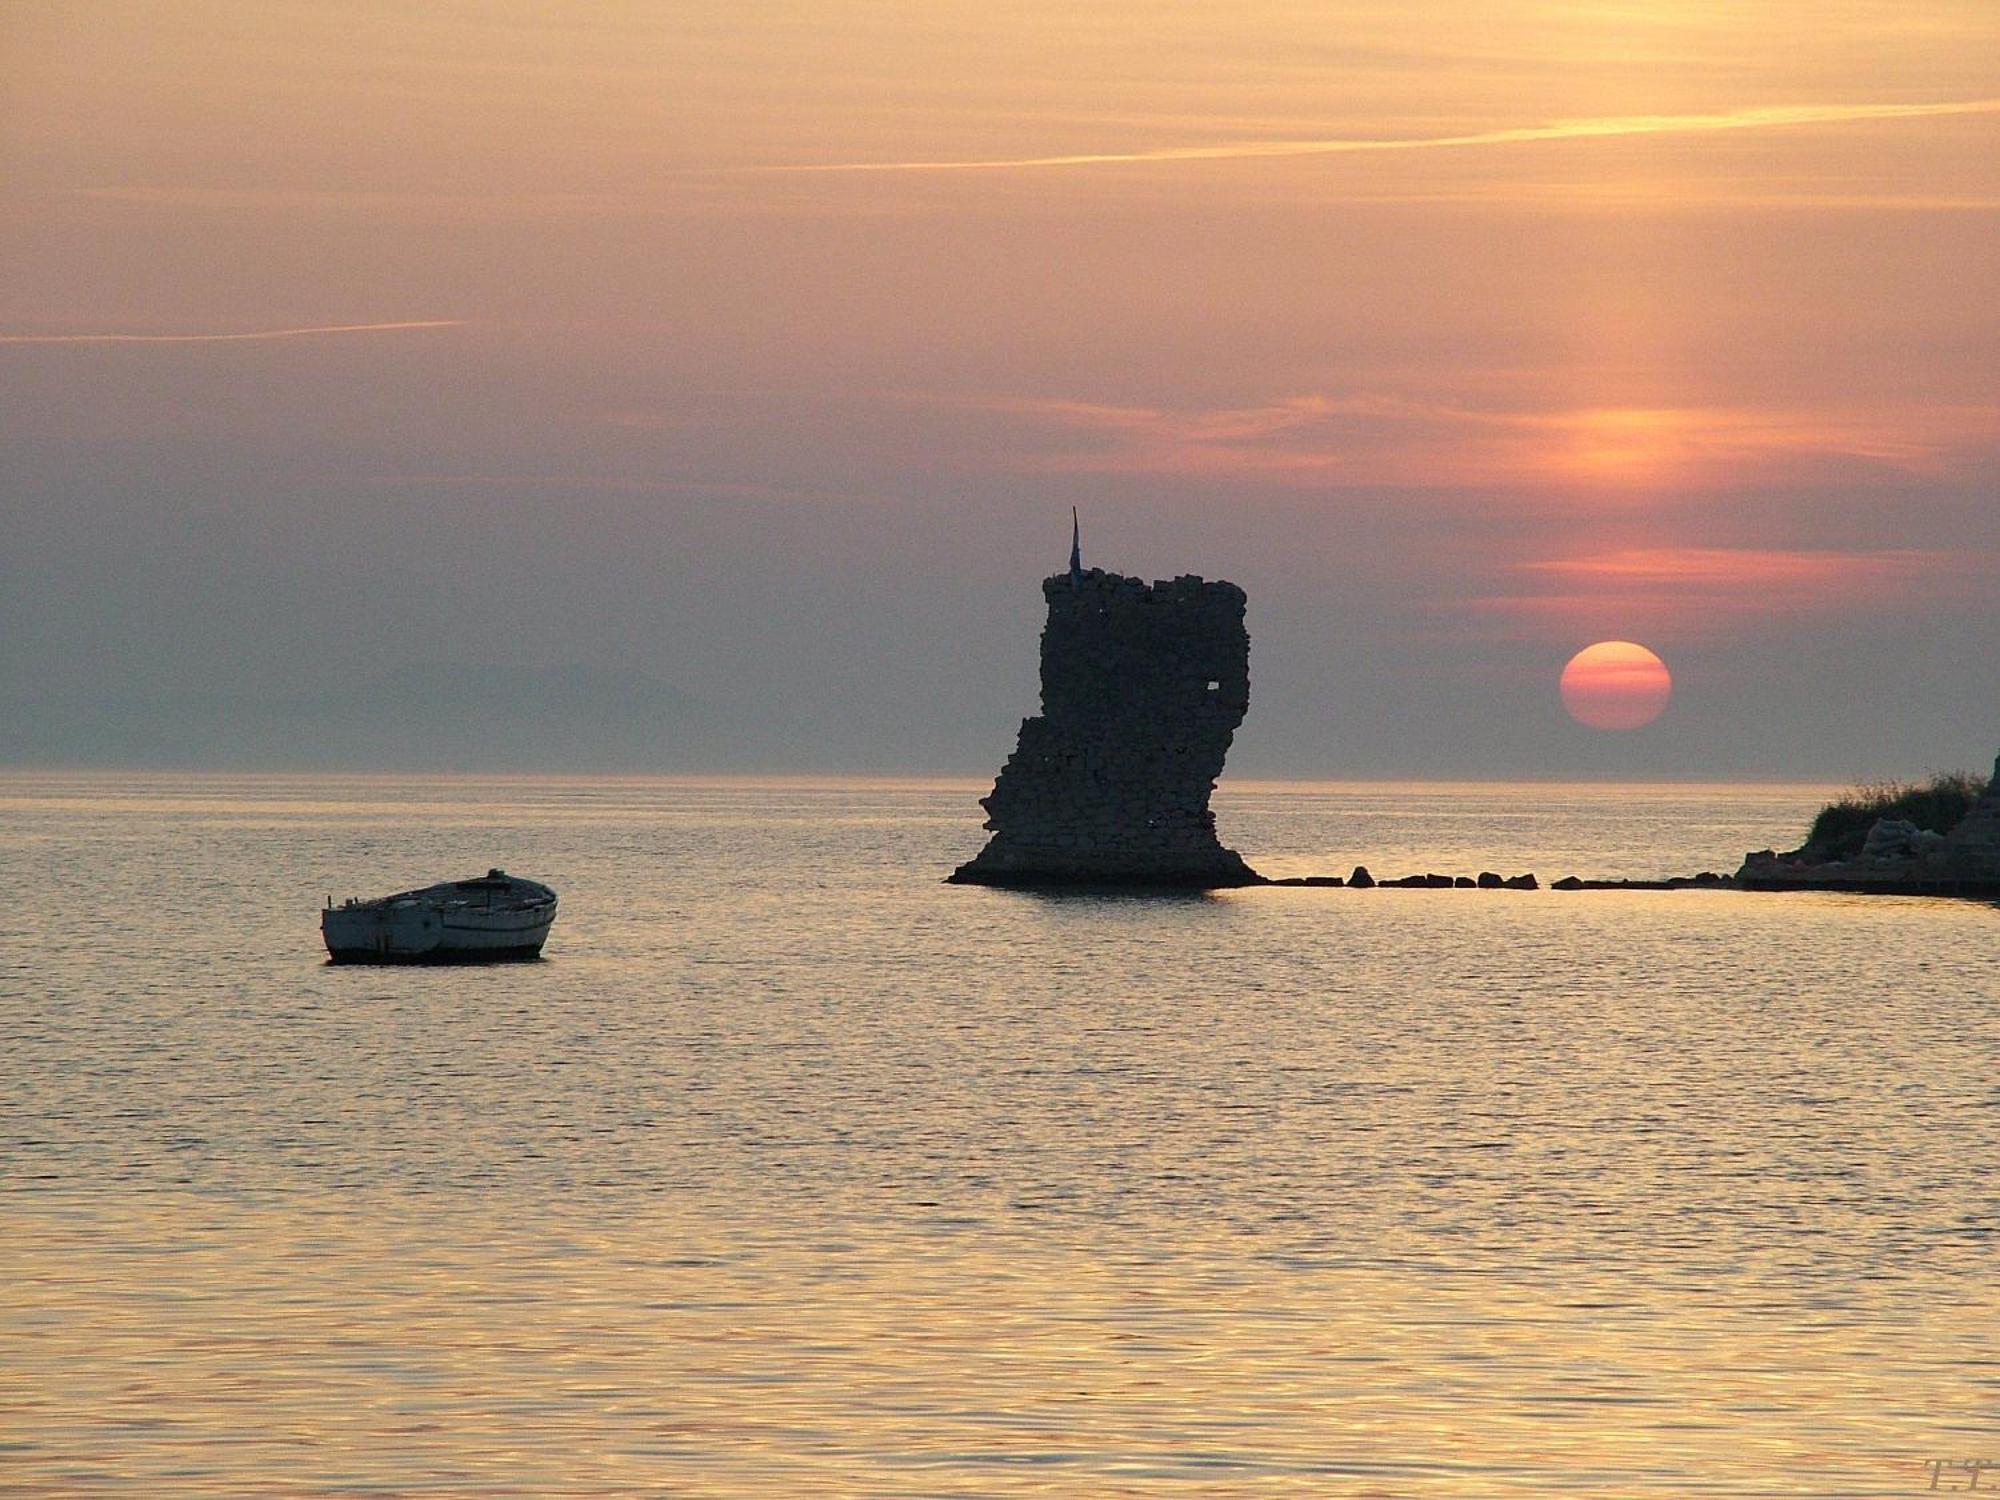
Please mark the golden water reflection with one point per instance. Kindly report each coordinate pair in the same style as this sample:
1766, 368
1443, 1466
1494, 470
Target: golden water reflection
372, 1347
794, 1171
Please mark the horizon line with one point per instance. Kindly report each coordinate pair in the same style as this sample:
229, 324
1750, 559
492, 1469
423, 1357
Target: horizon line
306, 769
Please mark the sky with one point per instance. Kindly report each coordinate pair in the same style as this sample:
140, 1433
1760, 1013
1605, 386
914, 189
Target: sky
705, 385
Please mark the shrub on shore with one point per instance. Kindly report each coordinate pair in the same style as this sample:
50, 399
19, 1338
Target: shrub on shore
1937, 804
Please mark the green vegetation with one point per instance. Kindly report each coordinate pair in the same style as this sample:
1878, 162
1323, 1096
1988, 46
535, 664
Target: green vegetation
1937, 804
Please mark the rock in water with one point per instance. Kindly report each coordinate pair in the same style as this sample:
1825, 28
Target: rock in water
1142, 690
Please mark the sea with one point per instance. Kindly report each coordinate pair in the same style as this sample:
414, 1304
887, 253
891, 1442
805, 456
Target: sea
791, 1170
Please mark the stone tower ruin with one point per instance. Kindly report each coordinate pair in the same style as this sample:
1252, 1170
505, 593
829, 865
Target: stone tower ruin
1142, 690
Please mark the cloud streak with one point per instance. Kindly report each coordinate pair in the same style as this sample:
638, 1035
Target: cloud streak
1683, 590
1316, 440
252, 336
621, 485
1765, 118
1773, 578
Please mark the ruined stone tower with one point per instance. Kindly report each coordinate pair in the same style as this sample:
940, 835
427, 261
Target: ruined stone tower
1142, 690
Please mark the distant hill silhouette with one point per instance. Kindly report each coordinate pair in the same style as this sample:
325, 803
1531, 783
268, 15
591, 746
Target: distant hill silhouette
429, 715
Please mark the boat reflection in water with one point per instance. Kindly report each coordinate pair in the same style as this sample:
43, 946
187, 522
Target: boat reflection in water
493, 918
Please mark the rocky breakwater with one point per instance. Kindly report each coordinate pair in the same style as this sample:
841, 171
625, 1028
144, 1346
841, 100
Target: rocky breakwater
1487, 880
1142, 689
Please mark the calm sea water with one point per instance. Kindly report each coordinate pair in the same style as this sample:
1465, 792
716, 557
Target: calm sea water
794, 1171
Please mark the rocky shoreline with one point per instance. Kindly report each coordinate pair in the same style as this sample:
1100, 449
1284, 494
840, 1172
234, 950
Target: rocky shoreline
1897, 858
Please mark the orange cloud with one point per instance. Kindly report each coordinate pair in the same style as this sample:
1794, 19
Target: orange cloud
1773, 573
1765, 118
1680, 588
1313, 441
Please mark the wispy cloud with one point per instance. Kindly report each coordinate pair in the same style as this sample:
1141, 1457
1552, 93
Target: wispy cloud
1681, 589
1779, 576
1318, 440
620, 484
1617, 195
1764, 118
250, 336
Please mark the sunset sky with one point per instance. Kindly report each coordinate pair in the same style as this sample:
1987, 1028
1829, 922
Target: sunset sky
760, 350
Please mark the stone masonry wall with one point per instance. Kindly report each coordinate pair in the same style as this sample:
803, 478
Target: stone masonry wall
1142, 690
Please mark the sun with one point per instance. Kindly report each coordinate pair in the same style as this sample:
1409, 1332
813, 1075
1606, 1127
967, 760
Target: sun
1616, 685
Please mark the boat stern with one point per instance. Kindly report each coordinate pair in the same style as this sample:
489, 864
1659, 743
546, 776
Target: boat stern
374, 932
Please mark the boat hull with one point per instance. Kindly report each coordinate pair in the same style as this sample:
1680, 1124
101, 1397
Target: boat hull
494, 920
523, 953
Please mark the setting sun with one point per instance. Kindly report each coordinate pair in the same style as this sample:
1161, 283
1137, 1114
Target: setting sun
1615, 685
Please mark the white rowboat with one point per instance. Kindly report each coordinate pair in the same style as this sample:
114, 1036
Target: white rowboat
492, 918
